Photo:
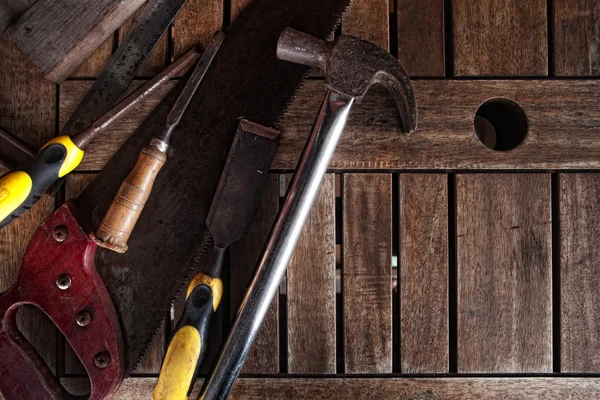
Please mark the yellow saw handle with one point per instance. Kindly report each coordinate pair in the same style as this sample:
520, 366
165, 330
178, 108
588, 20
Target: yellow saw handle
189, 342
22, 188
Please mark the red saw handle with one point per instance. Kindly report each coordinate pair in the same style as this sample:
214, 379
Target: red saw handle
58, 276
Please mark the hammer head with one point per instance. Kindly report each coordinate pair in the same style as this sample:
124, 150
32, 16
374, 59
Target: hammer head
351, 66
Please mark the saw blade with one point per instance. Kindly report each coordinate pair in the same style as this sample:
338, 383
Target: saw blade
124, 64
245, 80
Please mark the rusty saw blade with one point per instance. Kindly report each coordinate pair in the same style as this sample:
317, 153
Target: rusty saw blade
167, 246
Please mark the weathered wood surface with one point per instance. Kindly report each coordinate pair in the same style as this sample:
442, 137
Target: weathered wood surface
94, 64
421, 37
27, 110
244, 256
311, 333
12, 10
196, 23
562, 133
367, 279
503, 247
579, 206
369, 20
500, 38
577, 37
423, 265
57, 39
386, 388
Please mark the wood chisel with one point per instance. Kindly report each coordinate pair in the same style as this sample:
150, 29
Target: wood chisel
122, 215
22, 188
231, 213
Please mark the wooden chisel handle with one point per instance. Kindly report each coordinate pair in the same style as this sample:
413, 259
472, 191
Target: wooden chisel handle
123, 213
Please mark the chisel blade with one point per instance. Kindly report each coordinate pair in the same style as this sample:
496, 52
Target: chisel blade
236, 199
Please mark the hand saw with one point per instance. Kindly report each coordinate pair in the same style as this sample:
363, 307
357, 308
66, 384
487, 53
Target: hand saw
167, 247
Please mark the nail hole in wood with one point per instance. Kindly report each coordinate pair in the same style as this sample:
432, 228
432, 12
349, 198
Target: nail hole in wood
501, 124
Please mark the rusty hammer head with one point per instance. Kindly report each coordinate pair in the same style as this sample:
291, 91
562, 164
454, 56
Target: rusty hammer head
351, 66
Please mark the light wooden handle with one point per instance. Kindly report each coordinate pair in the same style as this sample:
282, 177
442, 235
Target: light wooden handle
122, 215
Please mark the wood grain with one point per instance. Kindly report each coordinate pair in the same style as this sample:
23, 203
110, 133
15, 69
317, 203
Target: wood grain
311, 290
504, 273
94, 64
369, 20
12, 10
423, 266
196, 23
237, 6
388, 388
577, 37
27, 110
421, 37
244, 255
562, 117
579, 272
367, 281
57, 39
500, 38
157, 59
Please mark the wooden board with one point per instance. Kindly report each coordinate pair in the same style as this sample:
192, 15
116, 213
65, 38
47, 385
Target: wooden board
579, 272
421, 37
387, 388
503, 239
237, 6
577, 37
367, 280
423, 267
94, 64
562, 117
311, 329
33, 122
57, 39
244, 257
368, 20
196, 23
500, 38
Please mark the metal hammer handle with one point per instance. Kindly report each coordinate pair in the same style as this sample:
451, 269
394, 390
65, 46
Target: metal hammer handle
304, 187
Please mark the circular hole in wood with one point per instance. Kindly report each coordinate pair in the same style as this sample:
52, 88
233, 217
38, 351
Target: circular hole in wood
501, 124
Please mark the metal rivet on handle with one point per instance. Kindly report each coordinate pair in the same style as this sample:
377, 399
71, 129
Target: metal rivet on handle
83, 318
63, 281
60, 233
102, 360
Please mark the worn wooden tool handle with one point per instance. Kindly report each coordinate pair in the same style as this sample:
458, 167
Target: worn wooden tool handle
123, 213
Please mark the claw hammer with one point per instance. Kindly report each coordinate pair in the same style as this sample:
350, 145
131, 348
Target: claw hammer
351, 67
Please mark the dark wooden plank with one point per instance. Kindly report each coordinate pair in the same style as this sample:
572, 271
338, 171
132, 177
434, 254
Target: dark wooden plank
12, 10
500, 37
579, 272
421, 37
311, 290
367, 267
27, 110
369, 20
577, 37
95, 63
244, 256
423, 273
108, 142
57, 38
196, 23
562, 116
504, 273
387, 388
157, 59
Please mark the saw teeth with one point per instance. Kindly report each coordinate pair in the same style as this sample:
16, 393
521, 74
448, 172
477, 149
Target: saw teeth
207, 239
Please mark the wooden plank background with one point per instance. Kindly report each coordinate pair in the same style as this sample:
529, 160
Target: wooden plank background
438, 270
